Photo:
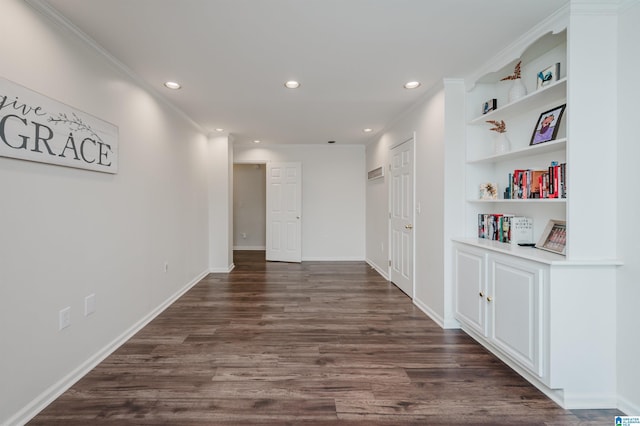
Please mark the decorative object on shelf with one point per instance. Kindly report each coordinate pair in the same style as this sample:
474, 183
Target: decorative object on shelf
489, 191
501, 143
490, 105
548, 76
548, 124
554, 237
518, 89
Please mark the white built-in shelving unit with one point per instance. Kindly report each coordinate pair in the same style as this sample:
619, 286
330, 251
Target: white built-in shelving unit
539, 311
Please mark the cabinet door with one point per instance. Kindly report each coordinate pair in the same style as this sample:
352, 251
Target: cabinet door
515, 294
470, 284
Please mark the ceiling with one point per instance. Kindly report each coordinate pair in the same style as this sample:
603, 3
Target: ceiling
352, 57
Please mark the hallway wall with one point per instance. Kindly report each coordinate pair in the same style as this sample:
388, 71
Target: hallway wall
67, 233
333, 196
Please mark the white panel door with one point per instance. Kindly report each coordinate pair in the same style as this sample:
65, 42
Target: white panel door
402, 217
470, 288
284, 211
515, 291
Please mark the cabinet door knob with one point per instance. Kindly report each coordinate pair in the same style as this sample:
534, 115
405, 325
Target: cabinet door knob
481, 294
489, 298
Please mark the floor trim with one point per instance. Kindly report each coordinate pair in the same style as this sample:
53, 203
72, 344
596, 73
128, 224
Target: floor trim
54, 391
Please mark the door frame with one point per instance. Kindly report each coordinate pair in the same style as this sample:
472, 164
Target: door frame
411, 140
232, 215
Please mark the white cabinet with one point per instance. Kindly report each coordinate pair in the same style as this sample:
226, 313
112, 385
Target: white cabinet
547, 318
470, 285
514, 294
499, 300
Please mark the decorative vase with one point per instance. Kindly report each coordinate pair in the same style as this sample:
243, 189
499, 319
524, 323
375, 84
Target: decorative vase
517, 91
501, 144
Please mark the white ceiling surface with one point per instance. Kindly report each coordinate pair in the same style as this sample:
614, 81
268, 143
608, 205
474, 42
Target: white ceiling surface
352, 57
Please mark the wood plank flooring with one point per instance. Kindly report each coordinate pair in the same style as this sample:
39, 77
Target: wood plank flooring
317, 343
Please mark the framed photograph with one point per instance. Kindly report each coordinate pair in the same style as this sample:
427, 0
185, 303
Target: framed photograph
489, 105
548, 76
547, 125
554, 237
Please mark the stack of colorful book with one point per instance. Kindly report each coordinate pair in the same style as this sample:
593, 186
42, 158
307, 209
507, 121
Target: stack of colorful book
506, 228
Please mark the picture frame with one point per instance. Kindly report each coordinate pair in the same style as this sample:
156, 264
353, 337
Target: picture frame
547, 125
488, 191
489, 105
554, 237
548, 76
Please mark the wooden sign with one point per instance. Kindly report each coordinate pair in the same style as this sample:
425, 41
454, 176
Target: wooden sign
34, 127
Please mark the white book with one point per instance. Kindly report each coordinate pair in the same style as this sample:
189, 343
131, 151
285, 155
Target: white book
521, 230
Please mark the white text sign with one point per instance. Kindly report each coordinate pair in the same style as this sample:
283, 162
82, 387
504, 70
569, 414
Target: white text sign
37, 128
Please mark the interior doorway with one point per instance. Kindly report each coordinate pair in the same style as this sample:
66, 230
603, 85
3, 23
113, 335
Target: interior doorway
249, 206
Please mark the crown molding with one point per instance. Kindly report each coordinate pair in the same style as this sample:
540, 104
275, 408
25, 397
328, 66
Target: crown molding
597, 7
62, 22
555, 23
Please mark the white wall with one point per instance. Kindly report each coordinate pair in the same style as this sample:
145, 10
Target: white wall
67, 233
220, 203
249, 206
427, 120
628, 207
333, 196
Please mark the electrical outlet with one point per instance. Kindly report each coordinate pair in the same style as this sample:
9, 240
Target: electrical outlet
64, 318
89, 304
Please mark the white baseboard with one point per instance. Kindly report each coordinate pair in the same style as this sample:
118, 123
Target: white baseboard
332, 259
579, 401
627, 407
379, 270
222, 270
54, 391
250, 248
429, 312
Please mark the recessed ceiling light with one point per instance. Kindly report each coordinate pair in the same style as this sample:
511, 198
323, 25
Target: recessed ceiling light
172, 85
412, 85
219, 129
291, 84
367, 130
256, 141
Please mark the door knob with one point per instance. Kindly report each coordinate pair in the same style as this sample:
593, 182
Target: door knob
409, 226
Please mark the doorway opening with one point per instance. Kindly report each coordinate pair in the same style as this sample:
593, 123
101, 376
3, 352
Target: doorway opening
249, 206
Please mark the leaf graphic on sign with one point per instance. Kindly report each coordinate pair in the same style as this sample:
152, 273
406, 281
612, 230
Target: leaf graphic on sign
75, 123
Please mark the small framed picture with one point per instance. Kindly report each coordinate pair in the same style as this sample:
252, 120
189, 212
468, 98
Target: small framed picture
489, 105
548, 76
489, 191
554, 237
547, 126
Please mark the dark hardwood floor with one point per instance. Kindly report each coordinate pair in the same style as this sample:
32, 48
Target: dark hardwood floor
317, 343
